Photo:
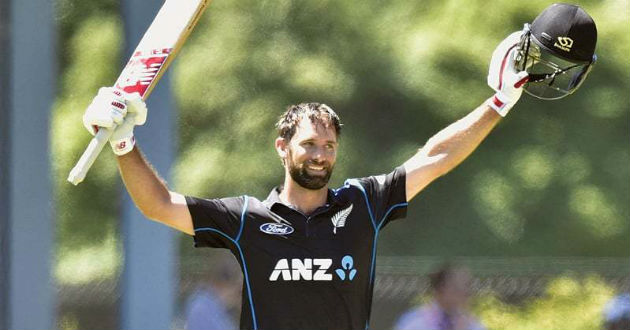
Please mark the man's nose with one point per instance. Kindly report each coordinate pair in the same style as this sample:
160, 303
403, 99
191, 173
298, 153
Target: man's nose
318, 154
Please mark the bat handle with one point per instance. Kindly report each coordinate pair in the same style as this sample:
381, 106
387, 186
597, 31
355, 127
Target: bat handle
89, 155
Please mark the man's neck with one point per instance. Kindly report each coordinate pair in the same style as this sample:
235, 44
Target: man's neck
302, 199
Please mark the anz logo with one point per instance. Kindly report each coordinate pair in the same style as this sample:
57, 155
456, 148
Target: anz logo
312, 270
346, 266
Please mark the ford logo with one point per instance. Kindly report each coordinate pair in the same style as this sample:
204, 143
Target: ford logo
276, 229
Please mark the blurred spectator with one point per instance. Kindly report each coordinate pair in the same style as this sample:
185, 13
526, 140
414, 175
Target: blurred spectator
448, 309
211, 306
617, 313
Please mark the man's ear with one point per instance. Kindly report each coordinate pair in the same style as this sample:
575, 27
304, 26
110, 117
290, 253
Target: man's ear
281, 148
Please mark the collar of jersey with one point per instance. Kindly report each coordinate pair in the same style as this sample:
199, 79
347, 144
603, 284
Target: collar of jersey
274, 198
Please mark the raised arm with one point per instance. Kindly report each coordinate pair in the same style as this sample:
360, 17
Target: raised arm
112, 108
449, 147
151, 195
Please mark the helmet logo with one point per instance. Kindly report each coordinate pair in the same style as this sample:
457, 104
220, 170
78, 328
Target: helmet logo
564, 43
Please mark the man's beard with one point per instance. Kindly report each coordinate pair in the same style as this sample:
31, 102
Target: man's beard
300, 175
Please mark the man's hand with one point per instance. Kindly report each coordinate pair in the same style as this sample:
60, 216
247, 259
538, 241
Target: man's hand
114, 109
503, 76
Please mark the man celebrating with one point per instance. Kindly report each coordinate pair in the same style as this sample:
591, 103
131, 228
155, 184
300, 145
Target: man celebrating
308, 252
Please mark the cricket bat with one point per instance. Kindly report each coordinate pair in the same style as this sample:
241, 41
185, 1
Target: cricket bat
156, 50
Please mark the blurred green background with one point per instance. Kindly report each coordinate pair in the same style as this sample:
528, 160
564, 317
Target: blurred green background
552, 180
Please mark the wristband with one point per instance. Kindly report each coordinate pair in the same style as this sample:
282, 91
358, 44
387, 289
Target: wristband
500, 104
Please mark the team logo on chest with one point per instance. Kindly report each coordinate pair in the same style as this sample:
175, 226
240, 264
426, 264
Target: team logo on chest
339, 219
309, 269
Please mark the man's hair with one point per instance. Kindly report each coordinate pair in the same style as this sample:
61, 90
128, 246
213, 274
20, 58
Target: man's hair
317, 113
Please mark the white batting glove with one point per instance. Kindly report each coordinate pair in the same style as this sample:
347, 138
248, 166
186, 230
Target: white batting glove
114, 109
503, 76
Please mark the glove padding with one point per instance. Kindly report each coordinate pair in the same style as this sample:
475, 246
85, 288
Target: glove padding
503, 76
117, 110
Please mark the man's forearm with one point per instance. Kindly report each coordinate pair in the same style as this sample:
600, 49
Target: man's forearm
457, 141
147, 190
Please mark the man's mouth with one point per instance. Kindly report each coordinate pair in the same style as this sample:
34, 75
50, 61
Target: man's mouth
316, 168
311, 175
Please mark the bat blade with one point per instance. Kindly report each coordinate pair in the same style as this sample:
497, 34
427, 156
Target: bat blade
155, 51
159, 45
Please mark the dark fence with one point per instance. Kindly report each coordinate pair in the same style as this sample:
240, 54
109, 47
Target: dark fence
399, 282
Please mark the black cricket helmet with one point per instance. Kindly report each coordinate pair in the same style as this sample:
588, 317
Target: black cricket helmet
558, 51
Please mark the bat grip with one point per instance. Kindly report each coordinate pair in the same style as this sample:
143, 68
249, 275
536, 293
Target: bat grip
89, 155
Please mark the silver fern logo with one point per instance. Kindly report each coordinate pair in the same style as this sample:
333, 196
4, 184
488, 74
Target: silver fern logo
339, 219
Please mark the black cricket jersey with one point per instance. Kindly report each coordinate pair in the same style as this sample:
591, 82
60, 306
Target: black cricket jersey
302, 271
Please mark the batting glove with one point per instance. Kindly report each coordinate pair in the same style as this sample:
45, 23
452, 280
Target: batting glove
503, 76
117, 110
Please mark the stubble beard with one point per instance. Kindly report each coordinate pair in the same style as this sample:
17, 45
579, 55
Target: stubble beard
300, 175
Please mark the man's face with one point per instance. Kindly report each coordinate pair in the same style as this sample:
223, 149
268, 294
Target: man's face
310, 154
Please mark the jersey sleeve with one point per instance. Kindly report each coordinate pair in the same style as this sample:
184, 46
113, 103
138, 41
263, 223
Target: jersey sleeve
386, 195
216, 221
